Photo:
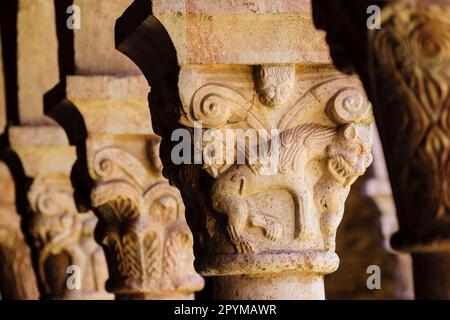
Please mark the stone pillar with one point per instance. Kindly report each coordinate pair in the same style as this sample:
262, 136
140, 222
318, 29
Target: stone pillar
17, 279
404, 68
37, 59
68, 262
142, 227
378, 188
265, 229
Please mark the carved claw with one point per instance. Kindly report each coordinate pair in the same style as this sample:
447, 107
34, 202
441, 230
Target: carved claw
272, 228
241, 242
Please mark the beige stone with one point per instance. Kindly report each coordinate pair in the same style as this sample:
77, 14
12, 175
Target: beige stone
58, 231
37, 58
112, 105
18, 278
282, 212
141, 217
231, 6
96, 55
264, 228
204, 37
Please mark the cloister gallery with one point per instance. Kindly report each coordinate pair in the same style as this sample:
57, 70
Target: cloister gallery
109, 108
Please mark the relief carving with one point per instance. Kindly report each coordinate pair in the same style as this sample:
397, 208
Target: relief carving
316, 161
142, 228
404, 68
411, 54
58, 230
17, 278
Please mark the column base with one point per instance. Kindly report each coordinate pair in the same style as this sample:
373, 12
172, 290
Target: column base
288, 285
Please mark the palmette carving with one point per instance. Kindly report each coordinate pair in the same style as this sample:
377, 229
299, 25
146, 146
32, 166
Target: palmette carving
308, 159
57, 229
142, 228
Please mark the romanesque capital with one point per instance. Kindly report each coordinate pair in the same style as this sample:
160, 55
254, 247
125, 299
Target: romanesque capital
269, 139
68, 263
18, 277
404, 68
278, 211
142, 227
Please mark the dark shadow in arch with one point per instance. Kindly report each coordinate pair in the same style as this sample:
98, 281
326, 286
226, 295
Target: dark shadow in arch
71, 120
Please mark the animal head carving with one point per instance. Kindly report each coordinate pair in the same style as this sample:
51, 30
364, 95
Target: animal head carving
351, 155
274, 84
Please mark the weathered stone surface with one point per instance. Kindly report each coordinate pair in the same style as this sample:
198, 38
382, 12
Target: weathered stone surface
37, 58
142, 227
17, 279
45, 149
281, 212
61, 236
231, 6
248, 32
246, 67
96, 55
112, 105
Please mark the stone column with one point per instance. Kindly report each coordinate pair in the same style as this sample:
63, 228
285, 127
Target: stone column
142, 227
17, 279
68, 262
404, 68
378, 189
265, 229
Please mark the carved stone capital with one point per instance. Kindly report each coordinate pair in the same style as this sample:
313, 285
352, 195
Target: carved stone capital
281, 212
404, 68
264, 228
142, 227
62, 238
411, 53
18, 281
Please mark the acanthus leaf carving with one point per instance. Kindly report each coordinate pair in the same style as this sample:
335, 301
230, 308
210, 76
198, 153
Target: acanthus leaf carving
136, 213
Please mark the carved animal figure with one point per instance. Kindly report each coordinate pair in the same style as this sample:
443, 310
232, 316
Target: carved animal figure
232, 191
347, 160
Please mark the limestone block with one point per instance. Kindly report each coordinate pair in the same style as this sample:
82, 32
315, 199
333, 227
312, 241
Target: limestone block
46, 150
37, 58
242, 32
95, 52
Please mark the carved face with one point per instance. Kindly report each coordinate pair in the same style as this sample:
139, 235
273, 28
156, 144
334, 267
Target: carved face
274, 84
351, 156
